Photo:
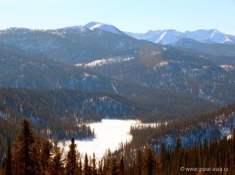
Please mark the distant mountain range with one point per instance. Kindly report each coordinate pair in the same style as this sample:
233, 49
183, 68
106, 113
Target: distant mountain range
165, 37
171, 36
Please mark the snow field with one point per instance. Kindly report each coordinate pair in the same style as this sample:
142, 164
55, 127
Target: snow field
109, 134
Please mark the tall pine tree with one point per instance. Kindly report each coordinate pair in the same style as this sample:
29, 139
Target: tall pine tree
72, 164
23, 154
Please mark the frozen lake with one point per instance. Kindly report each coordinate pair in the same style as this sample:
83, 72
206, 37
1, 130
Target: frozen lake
109, 133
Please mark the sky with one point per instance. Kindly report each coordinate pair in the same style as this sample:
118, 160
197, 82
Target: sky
137, 16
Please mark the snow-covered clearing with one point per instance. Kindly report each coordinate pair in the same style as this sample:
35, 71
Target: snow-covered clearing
109, 133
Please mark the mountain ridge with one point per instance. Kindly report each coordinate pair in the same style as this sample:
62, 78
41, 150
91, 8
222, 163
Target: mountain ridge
201, 35
164, 37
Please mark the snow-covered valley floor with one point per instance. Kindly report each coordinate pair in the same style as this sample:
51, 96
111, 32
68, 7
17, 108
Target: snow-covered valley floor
109, 133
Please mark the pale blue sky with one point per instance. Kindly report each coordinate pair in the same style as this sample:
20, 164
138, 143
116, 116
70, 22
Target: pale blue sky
127, 15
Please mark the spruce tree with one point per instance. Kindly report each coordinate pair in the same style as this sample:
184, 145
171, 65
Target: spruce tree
71, 164
23, 154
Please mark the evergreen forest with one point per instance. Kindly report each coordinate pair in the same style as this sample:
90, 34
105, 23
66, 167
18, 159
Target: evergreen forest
30, 154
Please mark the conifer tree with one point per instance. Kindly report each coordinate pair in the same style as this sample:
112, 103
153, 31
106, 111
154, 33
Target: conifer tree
45, 155
105, 167
79, 167
86, 166
121, 167
113, 167
56, 164
71, 164
100, 170
23, 154
94, 169
8, 161
139, 163
148, 161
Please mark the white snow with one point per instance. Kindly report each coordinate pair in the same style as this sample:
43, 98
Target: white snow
227, 67
114, 89
166, 37
162, 63
144, 36
228, 39
161, 37
102, 26
109, 134
170, 36
105, 61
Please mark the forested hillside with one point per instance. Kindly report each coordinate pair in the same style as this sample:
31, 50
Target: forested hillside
35, 155
60, 114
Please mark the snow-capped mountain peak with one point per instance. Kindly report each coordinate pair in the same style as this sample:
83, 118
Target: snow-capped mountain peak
170, 36
102, 26
166, 37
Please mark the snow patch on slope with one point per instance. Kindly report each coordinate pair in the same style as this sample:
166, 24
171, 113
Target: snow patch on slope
105, 62
227, 67
103, 27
